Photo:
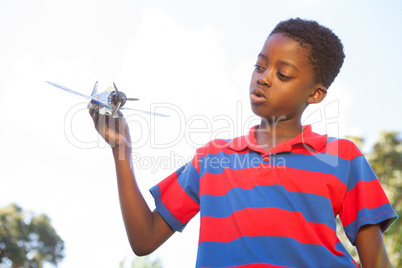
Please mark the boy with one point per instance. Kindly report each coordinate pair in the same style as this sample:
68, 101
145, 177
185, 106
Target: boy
270, 198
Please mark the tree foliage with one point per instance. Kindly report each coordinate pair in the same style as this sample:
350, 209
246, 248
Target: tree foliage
386, 160
27, 240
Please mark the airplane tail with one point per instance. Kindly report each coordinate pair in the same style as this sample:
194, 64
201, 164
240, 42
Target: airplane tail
95, 90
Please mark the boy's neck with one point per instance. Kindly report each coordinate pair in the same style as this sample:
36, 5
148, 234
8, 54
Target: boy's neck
270, 135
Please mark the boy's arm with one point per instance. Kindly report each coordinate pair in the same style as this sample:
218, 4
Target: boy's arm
146, 229
370, 247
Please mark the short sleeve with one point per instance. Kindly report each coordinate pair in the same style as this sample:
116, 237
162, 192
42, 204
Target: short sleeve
176, 197
365, 201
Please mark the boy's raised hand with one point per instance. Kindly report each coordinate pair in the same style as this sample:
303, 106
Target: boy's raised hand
113, 130
146, 229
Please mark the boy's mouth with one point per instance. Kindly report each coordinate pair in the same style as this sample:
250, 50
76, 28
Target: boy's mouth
257, 96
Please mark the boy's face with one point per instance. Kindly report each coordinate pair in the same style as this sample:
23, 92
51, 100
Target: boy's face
283, 80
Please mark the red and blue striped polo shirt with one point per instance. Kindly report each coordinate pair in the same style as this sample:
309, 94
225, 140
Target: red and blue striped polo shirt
275, 208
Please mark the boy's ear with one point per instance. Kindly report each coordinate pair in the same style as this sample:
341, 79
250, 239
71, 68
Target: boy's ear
318, 94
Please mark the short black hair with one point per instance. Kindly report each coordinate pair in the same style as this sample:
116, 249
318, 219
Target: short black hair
326, 49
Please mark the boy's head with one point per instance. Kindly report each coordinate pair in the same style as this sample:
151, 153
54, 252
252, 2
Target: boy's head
298, 62
326, 50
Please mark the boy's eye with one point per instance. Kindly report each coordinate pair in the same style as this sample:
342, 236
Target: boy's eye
258, 68
283, 77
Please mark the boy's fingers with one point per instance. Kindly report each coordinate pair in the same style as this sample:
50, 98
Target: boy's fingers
93, 108
94, 113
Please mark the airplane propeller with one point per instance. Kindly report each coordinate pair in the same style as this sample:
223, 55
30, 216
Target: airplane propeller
118, 99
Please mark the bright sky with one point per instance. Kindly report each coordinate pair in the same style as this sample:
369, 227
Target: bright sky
190, 59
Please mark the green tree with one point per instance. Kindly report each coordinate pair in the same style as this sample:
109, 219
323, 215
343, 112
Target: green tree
386, 160
27, 240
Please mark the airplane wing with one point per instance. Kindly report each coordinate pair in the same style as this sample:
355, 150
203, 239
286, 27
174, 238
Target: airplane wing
94, 99
145, 112
100, 102
69, 90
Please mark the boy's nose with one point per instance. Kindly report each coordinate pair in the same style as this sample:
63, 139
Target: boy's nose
265, 79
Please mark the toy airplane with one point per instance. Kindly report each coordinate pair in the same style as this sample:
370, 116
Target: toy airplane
111, 99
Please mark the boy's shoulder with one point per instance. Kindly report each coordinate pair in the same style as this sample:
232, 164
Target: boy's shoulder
341, 147
231, 145
214, 147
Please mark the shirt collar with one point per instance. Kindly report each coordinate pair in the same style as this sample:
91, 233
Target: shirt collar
307, 137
